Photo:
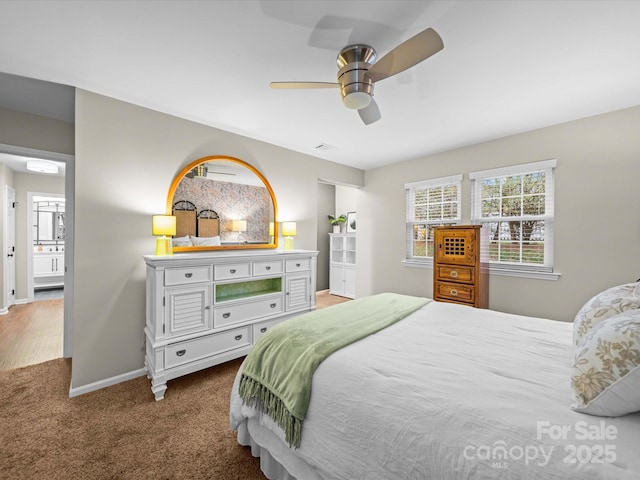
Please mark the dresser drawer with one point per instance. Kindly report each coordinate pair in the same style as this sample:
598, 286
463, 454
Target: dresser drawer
456, 273
261, 328
298, 265
266, 268
227, 315
182, 276
192, 350
455, 291
229, 271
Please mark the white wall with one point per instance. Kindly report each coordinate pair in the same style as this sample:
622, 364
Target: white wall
346, 199
126, 157
597, 229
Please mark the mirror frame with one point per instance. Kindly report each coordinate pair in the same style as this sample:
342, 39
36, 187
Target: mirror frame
242, 163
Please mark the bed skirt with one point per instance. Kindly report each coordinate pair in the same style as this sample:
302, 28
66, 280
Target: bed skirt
271, 468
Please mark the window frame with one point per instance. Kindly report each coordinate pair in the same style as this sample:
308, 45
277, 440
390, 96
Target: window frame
410, 222
545, 270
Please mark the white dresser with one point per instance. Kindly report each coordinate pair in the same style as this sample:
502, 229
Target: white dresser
211, 307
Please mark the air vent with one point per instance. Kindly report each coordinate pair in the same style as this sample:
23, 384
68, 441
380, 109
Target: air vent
324, 146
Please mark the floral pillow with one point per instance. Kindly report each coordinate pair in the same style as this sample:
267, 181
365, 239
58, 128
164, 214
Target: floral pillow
604, 305
606, 371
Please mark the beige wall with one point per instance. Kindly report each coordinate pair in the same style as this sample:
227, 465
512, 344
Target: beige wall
33, 131
597, 229
126, 158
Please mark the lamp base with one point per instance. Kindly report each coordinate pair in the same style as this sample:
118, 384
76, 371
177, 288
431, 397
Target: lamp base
288, 243
164, 246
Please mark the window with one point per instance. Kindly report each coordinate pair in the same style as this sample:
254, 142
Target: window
516, 205
430, 203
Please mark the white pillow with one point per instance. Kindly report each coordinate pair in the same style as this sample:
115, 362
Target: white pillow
181, 241
206, 241
604, 305
605, 375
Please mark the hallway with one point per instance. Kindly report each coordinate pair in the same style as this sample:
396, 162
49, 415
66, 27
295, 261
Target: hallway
31, 333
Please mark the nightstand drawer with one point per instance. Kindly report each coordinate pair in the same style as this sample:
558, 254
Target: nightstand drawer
229, 314
298, 265
455, 291
266, 268
192, 350
455, 273
227, 272
181, 276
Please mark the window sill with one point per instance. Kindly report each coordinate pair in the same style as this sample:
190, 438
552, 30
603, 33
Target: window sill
493, 270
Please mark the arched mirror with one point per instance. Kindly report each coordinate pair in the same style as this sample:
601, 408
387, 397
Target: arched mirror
222, 203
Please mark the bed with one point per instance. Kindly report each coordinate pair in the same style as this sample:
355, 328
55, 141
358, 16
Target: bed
455, 392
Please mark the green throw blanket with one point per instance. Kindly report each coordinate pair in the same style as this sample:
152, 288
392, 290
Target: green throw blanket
277, 374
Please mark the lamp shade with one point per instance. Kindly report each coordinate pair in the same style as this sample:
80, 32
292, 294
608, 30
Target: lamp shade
164, 225
238, 225
288, 229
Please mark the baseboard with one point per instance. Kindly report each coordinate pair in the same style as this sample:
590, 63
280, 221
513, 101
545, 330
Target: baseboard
4, 311
107, 382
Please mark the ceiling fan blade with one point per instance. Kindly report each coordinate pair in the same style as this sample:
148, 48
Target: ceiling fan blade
407, 54
370, 113
304, 85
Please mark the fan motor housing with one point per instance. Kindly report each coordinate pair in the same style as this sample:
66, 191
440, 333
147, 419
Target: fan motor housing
356, 88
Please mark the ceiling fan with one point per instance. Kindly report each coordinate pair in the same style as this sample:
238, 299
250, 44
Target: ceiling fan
359, 71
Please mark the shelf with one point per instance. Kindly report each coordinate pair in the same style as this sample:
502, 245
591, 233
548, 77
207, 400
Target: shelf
252, 288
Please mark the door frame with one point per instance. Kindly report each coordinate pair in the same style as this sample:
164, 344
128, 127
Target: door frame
30, 253
10, 243
69, 194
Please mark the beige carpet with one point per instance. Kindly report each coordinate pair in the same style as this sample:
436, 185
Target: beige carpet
121, 432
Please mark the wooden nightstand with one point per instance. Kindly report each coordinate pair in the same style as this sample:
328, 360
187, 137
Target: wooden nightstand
460, 272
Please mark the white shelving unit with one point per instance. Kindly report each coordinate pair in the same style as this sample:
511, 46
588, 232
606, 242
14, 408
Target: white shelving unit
342, 266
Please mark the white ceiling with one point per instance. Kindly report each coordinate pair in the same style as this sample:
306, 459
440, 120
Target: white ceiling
507, 66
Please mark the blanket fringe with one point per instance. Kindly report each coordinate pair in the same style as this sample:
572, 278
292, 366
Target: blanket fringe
258, 396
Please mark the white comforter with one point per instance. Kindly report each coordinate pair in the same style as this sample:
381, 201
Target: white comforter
450, 392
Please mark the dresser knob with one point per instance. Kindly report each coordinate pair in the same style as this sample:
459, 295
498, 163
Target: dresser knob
238, 337
273, 305
188, 275
263, 329
233, 270
226, 315
297, 264
268, 268
454, 292
454, 274
181, 352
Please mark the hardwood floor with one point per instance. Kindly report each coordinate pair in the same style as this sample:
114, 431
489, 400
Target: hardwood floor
31, 333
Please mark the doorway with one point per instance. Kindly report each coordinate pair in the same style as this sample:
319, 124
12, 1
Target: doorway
46, 213
25, 307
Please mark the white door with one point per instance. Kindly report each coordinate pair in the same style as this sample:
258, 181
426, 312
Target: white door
11, 246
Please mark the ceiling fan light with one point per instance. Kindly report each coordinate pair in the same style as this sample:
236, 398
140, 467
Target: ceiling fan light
42, 166
356, 100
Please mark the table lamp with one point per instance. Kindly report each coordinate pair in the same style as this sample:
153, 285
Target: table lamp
164, 227
288, 232
239, 226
